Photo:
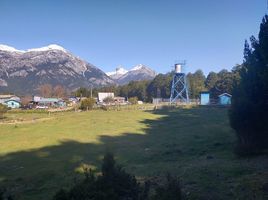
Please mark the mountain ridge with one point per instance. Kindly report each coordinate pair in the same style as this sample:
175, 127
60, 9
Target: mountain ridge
4, 47
23, 71
137, 73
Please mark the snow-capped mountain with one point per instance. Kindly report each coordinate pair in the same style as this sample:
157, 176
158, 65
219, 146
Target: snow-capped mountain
119, 71
46, 48
137, 67
23, 71
137, 73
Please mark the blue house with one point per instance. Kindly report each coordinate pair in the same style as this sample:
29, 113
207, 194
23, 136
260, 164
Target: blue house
61, 103
13, 103
225, 99
204, 98
48, 102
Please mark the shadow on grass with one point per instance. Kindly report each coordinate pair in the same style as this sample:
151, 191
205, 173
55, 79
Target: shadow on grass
195, 144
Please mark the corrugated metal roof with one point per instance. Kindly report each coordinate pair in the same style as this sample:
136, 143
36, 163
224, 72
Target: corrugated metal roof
44, 99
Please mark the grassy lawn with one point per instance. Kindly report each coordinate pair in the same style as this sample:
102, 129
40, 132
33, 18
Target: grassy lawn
39, 157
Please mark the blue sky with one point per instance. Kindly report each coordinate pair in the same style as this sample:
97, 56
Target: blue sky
209, 34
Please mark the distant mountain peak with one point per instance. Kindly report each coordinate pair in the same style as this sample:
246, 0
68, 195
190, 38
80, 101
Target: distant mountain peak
23, 71
138, 72
118, 71
137, 67
45, 48
121, 70
4, 47
49, 47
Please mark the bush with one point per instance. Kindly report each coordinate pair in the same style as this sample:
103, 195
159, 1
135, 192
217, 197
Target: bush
3, 110
108, 100
170, 190
87, 104
113, 184
133, 100
116, 184
61, 195
5, 195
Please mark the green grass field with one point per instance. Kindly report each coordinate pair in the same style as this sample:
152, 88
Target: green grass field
38, 157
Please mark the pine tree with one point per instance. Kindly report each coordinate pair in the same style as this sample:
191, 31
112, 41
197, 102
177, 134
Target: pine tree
249, 110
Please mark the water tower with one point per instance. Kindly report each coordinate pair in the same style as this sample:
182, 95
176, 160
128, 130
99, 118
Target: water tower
179, 88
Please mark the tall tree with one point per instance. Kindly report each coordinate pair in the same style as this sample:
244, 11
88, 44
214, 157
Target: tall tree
249, 109
211, 80
59, 91
224, 83
138, 89
160, 86
196, 83
45, 90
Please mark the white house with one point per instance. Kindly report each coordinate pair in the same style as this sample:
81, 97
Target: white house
103, 95
6, 97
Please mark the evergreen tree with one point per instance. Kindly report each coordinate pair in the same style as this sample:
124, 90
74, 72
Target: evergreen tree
249, 109
224, 83
211, 80
114, 183
196, 83
160, 86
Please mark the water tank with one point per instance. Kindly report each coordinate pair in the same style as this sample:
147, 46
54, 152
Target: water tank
177, 68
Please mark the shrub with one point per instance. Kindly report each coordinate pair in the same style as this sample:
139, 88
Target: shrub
116, 184
108, 100
170, 190
3, 110
133, 100
61, 195
87, 104
113, 184
5, 195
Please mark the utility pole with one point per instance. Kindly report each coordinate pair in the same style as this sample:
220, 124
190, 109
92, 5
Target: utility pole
91, 91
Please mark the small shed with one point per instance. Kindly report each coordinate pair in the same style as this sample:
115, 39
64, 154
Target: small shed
204, 98
225, 99
13, 103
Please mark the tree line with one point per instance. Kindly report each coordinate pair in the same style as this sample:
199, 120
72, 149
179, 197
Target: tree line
159, 87
47, 90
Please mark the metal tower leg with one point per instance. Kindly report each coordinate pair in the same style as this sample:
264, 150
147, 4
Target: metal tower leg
179, 89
